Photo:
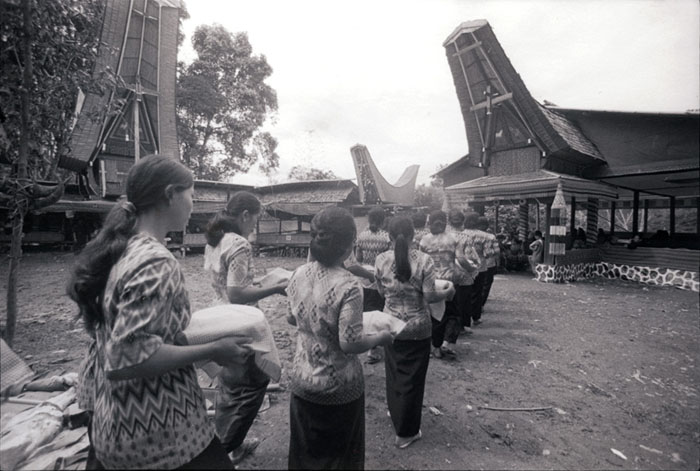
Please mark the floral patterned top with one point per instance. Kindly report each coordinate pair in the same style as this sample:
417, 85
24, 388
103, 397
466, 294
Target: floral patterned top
327, 306
441, 248
493, 250
466, 273
230, 263
418, 236
481, 243
370, 244
153, 422
406, 301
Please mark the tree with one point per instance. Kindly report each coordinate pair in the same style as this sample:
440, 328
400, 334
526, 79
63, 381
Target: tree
47, 56
429, 196
222, 102
301, 173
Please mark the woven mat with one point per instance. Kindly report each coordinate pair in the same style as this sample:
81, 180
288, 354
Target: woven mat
13, 369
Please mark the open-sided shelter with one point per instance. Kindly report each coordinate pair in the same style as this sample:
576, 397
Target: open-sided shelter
521, 152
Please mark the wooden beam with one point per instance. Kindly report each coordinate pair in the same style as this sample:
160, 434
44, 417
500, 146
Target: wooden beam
646, 216
612, 218
548, 259
466, 49
572, 218
635, 213
672, 222
494, 101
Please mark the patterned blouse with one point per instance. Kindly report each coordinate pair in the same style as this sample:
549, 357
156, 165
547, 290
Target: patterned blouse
441, 248
85, 394
406, 301
327, 306
481, 243
466, 273
494, 250
418, 236
230, 263
158, 421
370, 244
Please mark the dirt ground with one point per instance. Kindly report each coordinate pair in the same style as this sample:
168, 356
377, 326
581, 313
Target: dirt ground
615, 362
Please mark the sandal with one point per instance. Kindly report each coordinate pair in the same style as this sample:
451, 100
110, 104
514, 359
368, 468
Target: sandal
406, 442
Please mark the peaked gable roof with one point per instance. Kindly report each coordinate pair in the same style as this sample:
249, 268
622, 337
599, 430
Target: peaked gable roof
485, 80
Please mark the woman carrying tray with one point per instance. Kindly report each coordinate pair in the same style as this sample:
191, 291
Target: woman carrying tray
149, 410
228, 256
327, 404
406, 279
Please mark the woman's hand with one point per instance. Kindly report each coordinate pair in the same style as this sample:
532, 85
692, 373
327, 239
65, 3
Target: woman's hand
385, 338
280, 287
450, 292
230, 351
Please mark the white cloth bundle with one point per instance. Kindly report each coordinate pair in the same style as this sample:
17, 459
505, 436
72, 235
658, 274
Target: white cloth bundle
375, 322
273, 277
224, 320
437, 310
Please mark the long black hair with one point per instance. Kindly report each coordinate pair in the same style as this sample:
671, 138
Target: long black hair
148, 184
437, 222
401, 231
332, 232
225, 221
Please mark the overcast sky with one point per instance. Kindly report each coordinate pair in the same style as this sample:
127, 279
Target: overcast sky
374, 72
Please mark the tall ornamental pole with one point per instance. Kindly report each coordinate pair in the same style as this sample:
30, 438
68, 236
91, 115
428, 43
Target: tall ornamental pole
557, 228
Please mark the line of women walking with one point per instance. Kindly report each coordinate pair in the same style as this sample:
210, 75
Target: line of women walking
148, 410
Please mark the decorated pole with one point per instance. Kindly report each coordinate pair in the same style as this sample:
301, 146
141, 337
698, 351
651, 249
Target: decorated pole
592, 221
557, 228
523, 220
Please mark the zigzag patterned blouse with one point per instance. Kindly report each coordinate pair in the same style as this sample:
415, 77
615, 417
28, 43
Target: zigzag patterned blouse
154, 422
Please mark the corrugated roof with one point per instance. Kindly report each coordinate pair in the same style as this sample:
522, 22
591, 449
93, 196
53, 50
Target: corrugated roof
539, 184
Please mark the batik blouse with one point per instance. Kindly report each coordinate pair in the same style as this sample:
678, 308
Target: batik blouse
441, 248
158, 421
230, 264
406, 300
466, 273
418, 236
327, 306
481, 243
370, 244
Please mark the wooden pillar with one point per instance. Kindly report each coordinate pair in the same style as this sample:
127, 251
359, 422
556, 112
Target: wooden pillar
612, 218
298, 225
572, 224
672, 223
523, 220
280, 231
646, 216
548, 258
592, 221
496, 229
635, 214
537, 216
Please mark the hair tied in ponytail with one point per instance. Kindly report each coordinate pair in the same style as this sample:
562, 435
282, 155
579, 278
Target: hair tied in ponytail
128, 206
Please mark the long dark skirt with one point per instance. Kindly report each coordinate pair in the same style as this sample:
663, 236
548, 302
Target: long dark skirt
406, 365
326, 436
213, 457
238, 400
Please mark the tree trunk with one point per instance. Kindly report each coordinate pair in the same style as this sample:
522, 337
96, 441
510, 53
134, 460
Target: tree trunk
20, 195
15, 256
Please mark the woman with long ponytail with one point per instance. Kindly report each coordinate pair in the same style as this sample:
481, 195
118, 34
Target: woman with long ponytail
149, 410
406, 279
228, 257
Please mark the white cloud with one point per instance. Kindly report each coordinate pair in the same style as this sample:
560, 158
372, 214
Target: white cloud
375, 72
